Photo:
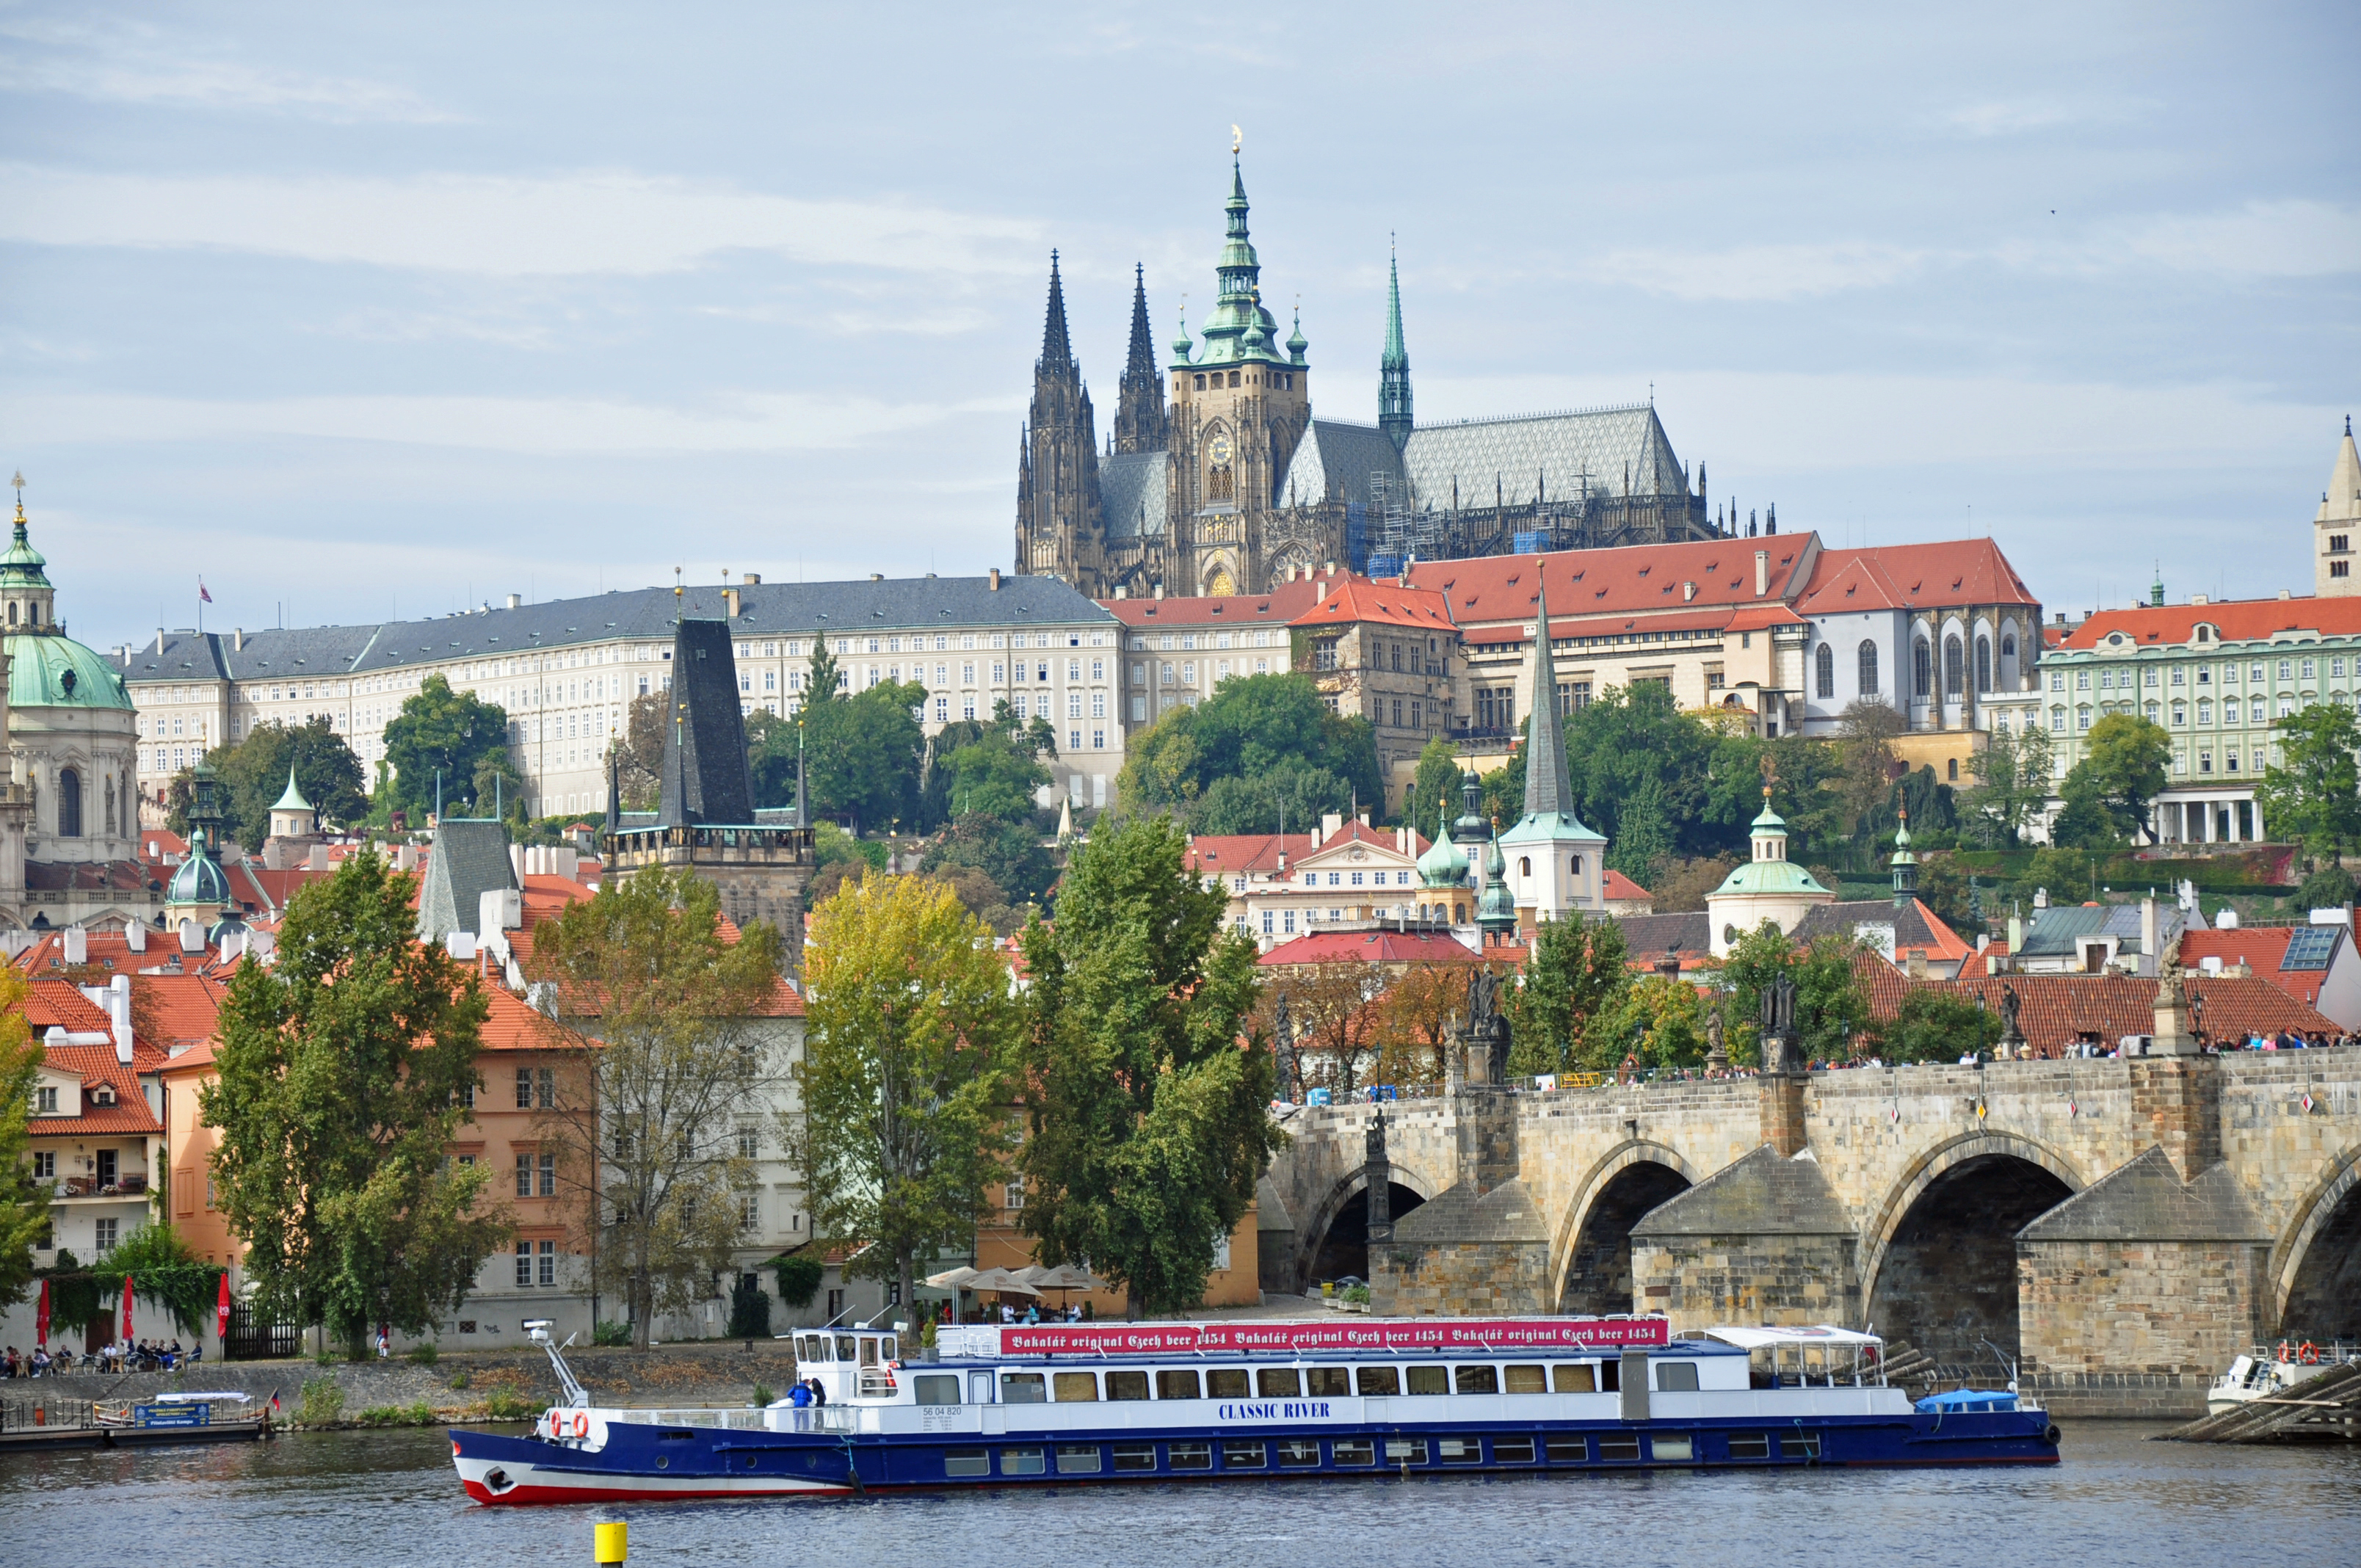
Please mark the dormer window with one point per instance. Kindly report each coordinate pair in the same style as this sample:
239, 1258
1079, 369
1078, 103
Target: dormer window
102, 1095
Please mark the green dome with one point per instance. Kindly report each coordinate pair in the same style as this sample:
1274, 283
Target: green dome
1496, 906
1445, 864
200, 879
1770, 876
46, 669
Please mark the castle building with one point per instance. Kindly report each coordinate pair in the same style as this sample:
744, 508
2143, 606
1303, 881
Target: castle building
1233, 486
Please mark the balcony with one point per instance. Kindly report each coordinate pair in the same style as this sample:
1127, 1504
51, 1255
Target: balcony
128, 1186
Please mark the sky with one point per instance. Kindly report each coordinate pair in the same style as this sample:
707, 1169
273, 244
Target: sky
359, 312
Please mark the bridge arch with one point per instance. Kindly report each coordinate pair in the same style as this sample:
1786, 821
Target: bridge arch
2315, 1269
1336, 1241
1939, 1259
1592, 1252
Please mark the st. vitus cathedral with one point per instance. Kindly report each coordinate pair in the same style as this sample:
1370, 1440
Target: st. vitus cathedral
1236, 485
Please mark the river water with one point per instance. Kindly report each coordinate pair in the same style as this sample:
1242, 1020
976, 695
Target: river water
389, 1498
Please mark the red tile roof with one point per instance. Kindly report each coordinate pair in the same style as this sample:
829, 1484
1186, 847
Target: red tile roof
1622, 889
1631, 578
1359, 599
95, 1065
1229, 854
2234, 620
163, 842
2058, 1009
2264, 949
181, 1009
1282, 604
1897, 576
1372, 948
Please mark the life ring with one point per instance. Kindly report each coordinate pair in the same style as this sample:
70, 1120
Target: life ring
2309, 1354
581, 1423
2283, 1350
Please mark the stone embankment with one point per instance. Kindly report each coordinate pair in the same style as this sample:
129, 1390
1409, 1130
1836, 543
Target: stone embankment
469, 1386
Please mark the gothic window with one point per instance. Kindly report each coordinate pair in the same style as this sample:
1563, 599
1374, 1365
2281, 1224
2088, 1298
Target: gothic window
1983, 663
69, 804
1868, 667
1218, 484
2008, 645
1825, 667
1955, 673
1922, 660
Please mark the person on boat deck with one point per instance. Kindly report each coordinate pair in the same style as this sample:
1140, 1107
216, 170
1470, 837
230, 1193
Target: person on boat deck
1033, 1315
800, 1396
1007, 1313
819, 1392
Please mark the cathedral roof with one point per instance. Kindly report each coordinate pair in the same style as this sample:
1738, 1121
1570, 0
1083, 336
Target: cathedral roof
48, 670
1333, 462
1900, 576
1614, 449
1132, 493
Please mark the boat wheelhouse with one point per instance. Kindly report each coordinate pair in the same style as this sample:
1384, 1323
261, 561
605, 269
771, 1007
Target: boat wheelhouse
1003, 1404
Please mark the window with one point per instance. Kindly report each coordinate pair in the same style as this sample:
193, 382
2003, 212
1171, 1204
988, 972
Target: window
1177, 1386
1459, 1450
46, 1102
45, 1161
1954, 666
1922, 669
1678, 1450
1126, 1385
1015, 1388
1983, 663
524, 1089
1615, 1446
1567, 1450
1749, 1445
1524, 1380
1328, 1382
1297, 1454
548, 1274
936, 1389
1824, 664
1377, 1382
1799, 1445
1077, 1459
1020, 1462
69, 804
107, 1231
524, 1263
1237, 1455
1279, 1383
1514, 1450
1353, 1451
1189, 1455
1226, 1383
1135, 1456
1075, 1387
1677, 1376
749, 1211
548, 1166
1573, 1379
1483, 1379
1866, 657
750, 1142
1429, 1380
524, 1175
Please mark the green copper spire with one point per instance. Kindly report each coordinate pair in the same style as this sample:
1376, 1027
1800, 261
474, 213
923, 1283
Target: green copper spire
1239, 331
1393, 370
293, 799
1904, 863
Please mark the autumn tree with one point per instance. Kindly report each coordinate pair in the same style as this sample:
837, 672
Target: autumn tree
24, 1203
910, 1027
667, 1036
1415, 1018
344, 1067
1334, 1011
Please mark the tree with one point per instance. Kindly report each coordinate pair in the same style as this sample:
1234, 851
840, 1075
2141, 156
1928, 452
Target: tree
1010, 854
345, 1066
1675, 886
1936, 1025
2314, 791
1415, 1018
1831, 1006
770, 757
1251, 726
861, 754
1145, 1095
1943, 888
1645, 833
1659, 1019
24, 1204
440, 733
998, 773
1434, 789
253, 774
2122, 768
1626, 737
639, 752
663, 1032
1333, 1009
1296, 796
2083, 821
1574, 983
910, 1027
1864, 770
2013, 779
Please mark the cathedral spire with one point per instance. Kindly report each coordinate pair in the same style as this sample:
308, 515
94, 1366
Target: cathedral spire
1548, 788
1139, 420
1057, 349
1393, 370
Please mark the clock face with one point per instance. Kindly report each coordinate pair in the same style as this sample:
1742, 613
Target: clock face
1220, 449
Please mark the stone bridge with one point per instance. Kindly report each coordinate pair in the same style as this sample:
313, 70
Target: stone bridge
2122, 1228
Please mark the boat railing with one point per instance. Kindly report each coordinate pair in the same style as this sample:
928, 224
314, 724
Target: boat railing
2309, 1353
47, 1414
744, 1418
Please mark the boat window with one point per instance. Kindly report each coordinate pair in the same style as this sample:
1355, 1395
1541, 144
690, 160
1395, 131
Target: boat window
1189, 1455
1459, 1449
1075, 1387
979, 1388
1243, 1455
1077, 1459
1799, 1445
937, 1389
1353, 1451
1023, 1388
804, 1351
1020, 1462
966, 1462
1618, 1445
1429, 1380
1567, 1378
1512, 1450
1226, 1383
1677, 1376
1611, 1377
1177, 1384
1335, 1382
1377, 1382
890, 1347
1126, 1385
1297, 1454
1665, 1448
1524, 1380
1135, 1456
1749, 1445
843, 1347
1405, 1451
1484, 1379
868, 1352
1278, 1382
1569, 1450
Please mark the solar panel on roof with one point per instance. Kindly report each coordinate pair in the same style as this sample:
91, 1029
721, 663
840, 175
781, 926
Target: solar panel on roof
2310, 947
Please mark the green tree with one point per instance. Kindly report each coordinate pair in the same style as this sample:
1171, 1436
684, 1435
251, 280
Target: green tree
1864, 768
343, 1068
1831, 1006
254, 776
770, 757
1297, 797
439, 732
1251, 726
824, 679
2314, 791
1645, 834
1936, 1025
1009, 853
2013, 780
861, 754
24, 1204
2083, 821
667, 1033
1574, 979
2122, 768
1146, 1094
1434, 790
1661, 1020
910, 1030
999, 771
1628, 736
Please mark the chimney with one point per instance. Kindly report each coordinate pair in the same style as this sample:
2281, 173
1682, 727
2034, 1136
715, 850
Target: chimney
160, 640
994, 579
880, 576
1159, 590
1917, 963
77, 946
317, 859
2149, 952
135, 937
2284, 594
1762, 573
1331, 824
119, 1012
2016, 932
729, 603
192, 937
2193, 598
1123, 592
516, 601
751, 579
237, 640
499, 909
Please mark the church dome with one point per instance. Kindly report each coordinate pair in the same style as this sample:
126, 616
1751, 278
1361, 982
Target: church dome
200, 879
1496, 907
1445, 864
47, 669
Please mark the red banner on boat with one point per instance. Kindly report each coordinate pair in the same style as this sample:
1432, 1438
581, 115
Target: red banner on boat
1345, 1333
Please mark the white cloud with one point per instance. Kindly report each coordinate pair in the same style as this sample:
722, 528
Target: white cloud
1757, 272
762, 422
2265, 239
130, 63
2017, 116
569, 225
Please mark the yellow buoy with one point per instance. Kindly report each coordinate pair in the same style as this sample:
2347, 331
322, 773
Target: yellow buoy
610, 1541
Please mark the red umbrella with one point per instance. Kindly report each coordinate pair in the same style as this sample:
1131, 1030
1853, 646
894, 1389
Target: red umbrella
41, 1318
126, 1309
220, 1309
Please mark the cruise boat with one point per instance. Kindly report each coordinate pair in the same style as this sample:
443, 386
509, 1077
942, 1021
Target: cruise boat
1005, 1405
2265, 1374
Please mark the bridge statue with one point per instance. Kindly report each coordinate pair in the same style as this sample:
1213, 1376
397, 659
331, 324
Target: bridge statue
1487, 1031
1782, 1051
1284, 1033
1379, 1171
1717, 1055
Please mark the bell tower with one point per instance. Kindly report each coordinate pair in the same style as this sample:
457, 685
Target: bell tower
1059, 531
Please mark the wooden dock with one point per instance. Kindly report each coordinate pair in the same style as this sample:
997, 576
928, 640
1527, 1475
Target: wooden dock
2326, 1408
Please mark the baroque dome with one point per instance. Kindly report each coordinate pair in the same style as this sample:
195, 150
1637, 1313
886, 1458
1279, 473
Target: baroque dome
48, 669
